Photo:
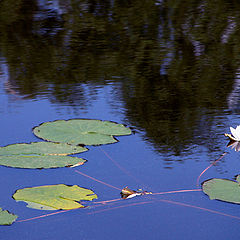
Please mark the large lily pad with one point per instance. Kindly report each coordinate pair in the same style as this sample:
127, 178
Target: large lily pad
223, 189
41, 148
40, 155
53, 197
81, 131
6, 218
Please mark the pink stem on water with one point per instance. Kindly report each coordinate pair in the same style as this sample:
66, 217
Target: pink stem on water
109, 185
45, 215
121, 167
178, 191
209, 167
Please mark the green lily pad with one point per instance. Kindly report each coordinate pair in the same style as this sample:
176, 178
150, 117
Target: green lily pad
81, 131
6, 218
41, 148
223, 189
53, 197
40, 155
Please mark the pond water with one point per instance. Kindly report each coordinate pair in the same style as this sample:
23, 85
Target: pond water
170, 70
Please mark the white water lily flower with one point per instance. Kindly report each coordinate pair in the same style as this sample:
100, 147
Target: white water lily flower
234, 138
235, 134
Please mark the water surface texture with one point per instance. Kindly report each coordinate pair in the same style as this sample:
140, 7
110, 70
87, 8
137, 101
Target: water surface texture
170, 70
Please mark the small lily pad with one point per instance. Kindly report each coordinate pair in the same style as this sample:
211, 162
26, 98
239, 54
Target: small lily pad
6, 218
40, 155
223, 189
53, 197
81, 131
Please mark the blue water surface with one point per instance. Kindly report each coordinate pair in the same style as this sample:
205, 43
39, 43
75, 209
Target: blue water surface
152, 219
167, 69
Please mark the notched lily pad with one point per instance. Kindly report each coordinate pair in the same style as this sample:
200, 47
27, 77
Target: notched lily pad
40, 155
81, 131
53, 197
223, 189
7, 218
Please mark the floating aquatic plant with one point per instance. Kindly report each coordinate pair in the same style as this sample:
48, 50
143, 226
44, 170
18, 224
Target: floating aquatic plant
40, 155
223, 189
6, 218
235, 133
234, 138
53, 197
81, 131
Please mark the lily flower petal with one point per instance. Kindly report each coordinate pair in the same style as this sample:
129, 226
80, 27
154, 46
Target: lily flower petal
238, 131
231, 137
235, 133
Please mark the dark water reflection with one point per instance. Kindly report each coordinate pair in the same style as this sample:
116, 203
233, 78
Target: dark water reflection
174, 64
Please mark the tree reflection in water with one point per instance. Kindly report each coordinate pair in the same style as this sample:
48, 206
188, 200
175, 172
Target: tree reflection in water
174, 62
